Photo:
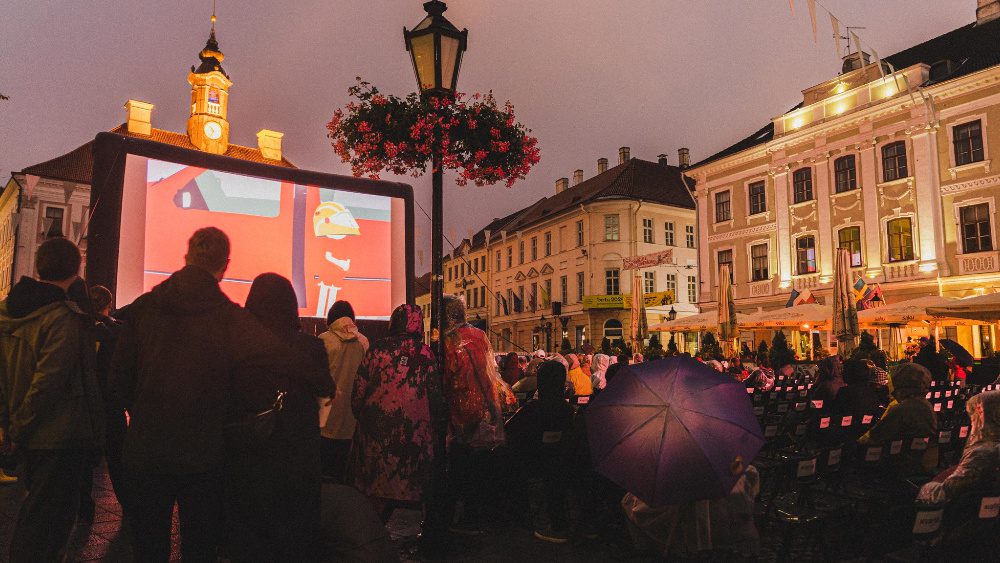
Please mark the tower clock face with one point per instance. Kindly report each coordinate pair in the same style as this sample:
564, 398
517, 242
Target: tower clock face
213, 130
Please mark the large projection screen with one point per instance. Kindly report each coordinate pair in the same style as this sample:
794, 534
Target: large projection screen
333, 237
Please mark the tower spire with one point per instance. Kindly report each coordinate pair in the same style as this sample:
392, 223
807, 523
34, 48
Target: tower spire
213, 17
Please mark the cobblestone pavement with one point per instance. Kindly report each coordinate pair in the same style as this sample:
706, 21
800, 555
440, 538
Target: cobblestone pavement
507, 539
101, 541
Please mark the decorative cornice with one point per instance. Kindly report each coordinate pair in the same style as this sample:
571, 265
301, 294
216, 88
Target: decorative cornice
755, 230
987, 182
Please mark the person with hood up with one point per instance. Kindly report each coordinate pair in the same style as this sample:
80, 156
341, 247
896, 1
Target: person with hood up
598, 368
512, 368
398, 403
51, 410
345, 349
909, 415
930, 358
183, 349
581, 383
829, 383
273, 483
980, 461
476, 398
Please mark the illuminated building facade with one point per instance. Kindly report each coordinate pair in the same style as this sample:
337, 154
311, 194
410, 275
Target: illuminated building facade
894, 165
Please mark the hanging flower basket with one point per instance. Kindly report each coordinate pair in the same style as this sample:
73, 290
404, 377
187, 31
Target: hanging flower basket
482, 142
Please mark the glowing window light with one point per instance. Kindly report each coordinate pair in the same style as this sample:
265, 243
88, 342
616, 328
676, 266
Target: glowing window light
841, 88
797, 122
839, 108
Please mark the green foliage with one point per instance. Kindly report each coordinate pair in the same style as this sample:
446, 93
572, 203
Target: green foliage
672, 345
654, 350
710, 348
781, 353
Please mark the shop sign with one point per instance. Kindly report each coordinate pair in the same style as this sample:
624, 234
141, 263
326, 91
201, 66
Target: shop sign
624, 300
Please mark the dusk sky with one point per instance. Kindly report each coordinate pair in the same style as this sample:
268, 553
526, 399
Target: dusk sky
587, 76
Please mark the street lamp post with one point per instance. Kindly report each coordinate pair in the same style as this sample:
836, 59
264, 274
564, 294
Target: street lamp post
436, 47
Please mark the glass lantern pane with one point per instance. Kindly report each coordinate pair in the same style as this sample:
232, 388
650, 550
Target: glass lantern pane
449, 60
422, 51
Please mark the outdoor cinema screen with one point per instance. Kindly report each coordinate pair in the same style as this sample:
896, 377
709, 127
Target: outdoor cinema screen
331, 243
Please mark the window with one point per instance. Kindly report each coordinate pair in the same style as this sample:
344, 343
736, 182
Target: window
850, 238
668, 233
692, 289
610, 227
482, 296
689, 235
900, 239
802, 185
579, 233
968, 140
461, 270
510, 300
611, 281
548, 244
759, 262
758, 199
648, 282
672, 284
723, 211
54, 217
894, 161
845, 173
520, 298
498, 260
451, 273
533, 297
564, 289
475, 265
613, 329
805, 255
725, 257
510, 256
520, 252
548, 294
647, 231
579, 287
534, 248
482, 261
976, 233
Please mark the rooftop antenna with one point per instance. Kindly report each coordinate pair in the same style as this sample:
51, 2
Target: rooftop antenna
847, 38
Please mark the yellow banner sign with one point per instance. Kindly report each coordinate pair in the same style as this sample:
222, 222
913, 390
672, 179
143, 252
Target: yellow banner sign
624, 300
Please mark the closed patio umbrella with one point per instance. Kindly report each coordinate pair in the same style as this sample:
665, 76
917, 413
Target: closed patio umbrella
727, 308
845, 309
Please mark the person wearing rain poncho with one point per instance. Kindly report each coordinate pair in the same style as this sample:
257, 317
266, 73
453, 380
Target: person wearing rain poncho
702, 527
981, 458
909, 415
598, 368
477, 398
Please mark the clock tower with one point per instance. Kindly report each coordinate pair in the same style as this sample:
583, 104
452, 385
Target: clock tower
208, 127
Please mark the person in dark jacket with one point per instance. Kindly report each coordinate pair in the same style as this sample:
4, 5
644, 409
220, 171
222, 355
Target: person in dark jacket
106, 328
541, 436
182, 351
829, 383
272, 486
930, 358
861, 396
50, 410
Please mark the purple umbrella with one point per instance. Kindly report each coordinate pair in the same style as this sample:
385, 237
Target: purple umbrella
672, 431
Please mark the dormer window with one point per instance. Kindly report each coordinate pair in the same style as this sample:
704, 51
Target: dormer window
940, 70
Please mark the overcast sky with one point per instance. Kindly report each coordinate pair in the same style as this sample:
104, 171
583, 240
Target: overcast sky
587, 76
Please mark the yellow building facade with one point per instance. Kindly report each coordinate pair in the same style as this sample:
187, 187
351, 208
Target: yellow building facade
895, 165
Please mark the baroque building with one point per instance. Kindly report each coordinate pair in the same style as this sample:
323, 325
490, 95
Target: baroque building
52, 198
893, 163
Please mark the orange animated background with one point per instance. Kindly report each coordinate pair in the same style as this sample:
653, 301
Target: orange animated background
331, 244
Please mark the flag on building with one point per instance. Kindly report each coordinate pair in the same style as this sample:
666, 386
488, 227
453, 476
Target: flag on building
800, 298
533, 298
518, 304
503, 303
546, 299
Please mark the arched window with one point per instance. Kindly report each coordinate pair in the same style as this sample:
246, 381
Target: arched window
894, 161
900, 231
613, 329
802, 185
846, 173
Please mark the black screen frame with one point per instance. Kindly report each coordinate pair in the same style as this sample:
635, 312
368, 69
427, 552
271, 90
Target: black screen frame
110, 151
